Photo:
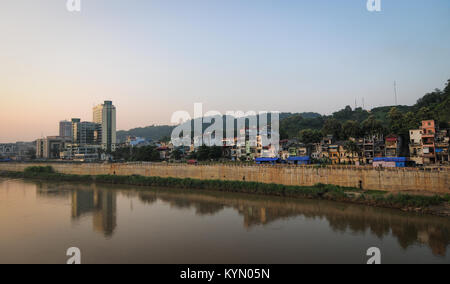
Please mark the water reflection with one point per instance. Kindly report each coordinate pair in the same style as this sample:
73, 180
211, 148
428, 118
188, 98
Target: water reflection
99, 202
409, 229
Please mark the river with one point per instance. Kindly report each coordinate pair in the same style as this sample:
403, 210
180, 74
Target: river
39, 221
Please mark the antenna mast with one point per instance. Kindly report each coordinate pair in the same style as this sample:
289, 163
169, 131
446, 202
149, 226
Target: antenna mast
395, 92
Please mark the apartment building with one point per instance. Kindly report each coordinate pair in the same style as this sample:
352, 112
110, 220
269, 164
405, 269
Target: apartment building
51, 147
429, 145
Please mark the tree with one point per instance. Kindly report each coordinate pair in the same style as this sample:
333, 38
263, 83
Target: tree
372, 126
397, 122
215, 152
309, 136
351, 129
203, 153
332, 126
145, 154
176, 154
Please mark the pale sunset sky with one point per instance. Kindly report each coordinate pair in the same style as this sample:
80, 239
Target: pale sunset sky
154, 57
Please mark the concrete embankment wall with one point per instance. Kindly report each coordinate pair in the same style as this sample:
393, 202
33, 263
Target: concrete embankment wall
397, 179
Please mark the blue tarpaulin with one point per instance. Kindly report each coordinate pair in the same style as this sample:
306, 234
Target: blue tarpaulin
299, 160
266, 160
387, 159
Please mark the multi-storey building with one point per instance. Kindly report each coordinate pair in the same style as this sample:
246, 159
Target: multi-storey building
51, 147
8, 150
393, 146
86, 133
442, 145
105, 115
415, 146
428, 145
428, 141
373, 147
65, 128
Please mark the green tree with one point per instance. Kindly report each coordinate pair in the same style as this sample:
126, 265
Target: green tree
203, 153
396, 122
145, 154
332, 126
215, 152
372, 126
176, 154
309, 136
351, 129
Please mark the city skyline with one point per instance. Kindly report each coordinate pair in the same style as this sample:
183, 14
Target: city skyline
158, 57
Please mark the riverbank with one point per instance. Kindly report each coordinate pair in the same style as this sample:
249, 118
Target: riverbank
436, 204
393, 180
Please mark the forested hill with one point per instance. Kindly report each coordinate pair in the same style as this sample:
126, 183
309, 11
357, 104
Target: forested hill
347, 121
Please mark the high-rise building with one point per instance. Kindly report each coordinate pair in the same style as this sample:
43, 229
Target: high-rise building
105, 115
65, 128
85, 133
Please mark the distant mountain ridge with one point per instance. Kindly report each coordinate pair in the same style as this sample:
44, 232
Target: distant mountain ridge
434, 105
157, 132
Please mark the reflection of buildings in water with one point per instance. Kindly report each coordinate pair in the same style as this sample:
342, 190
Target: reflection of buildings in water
180, 202
101, 204
409, 229
45, 190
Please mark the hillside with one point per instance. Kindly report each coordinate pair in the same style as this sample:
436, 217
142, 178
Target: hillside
434, 105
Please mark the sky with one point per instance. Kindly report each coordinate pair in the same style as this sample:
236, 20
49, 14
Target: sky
155, 57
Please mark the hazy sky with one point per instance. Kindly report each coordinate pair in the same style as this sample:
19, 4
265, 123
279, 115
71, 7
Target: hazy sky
154, 57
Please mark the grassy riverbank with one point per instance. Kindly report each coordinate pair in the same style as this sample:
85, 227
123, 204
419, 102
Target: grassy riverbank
405, 202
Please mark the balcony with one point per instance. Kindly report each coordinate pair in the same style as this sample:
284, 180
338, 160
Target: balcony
428, 135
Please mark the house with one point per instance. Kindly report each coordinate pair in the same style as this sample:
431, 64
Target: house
429, 145
373, 147
415, 146
428, 141
442, 145
392, 146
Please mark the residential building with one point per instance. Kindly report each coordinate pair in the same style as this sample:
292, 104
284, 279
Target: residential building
415, 146
8, 150
373, 147
429, 145
442, 146
392, 146
17, 151
51, 147
428, 141
105, 115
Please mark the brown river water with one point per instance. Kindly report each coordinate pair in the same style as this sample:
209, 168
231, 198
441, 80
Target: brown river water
39, 221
